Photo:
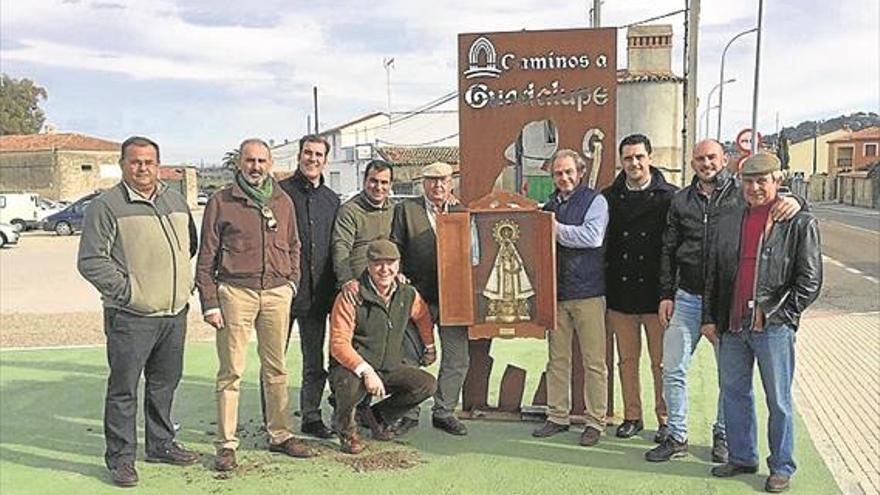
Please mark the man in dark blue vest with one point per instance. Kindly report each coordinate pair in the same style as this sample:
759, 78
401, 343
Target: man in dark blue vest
581, 219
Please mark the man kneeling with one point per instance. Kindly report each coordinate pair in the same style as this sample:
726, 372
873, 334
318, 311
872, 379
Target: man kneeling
366, 349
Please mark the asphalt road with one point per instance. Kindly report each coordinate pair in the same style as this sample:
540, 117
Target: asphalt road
851, 247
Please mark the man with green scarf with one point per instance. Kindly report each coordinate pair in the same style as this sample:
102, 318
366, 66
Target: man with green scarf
247, 274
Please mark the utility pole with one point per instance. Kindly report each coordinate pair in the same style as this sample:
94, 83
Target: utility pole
309, 124
315, 98
757, 77
690, 88
596, 14
389, 64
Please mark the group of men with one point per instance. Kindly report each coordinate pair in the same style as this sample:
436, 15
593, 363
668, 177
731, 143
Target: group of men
724, 258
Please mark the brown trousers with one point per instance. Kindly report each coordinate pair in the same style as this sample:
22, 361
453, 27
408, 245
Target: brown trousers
627, 331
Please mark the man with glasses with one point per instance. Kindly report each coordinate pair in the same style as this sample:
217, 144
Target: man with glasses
247, 274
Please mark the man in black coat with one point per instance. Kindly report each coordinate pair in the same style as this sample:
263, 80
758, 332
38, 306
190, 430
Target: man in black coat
637, 202
316, 206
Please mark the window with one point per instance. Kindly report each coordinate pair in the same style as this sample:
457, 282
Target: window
2, 201
870, 149
335, 180
86, 167
844, 157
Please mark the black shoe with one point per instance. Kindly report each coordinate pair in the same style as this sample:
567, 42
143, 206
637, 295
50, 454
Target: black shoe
403, 425
728, 470
548, 429
777, 483
670, 449
450, 424
174, 454
124, 475
719, 448
662, 433
590, 437
316, 429
629, 428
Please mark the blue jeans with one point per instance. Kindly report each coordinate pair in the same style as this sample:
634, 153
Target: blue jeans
773, 348
679, 342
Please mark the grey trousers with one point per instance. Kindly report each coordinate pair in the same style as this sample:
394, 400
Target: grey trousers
152, 346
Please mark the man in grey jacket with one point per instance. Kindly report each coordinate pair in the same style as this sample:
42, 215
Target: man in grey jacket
137, 241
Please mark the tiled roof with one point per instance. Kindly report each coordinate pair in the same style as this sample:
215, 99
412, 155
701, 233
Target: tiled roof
866, 134
624, 76
60, 141
424, 155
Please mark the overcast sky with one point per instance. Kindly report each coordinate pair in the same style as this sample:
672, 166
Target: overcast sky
201, 75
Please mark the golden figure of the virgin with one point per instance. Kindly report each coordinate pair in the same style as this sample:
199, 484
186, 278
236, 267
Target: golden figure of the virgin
508, 288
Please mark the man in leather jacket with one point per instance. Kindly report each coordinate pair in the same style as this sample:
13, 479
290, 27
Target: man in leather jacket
761, 275
691, 221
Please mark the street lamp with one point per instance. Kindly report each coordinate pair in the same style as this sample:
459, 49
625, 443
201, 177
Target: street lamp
721, 79
709, 102
705, 116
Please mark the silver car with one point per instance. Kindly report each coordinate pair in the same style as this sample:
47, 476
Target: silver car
8, 235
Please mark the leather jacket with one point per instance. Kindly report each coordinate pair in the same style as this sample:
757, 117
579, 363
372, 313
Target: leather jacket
690, 223
789, 269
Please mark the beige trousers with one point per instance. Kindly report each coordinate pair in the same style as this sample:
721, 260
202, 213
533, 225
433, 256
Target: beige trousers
628, 331
583, 319
244, 311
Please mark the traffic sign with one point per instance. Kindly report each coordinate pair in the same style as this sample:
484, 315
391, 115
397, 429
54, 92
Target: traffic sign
744, 140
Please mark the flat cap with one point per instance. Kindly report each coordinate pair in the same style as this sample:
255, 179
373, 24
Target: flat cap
437, 169
382, 249
760, 164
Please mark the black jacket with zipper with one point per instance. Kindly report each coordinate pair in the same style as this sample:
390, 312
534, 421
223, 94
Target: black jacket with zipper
789, 269
690, 223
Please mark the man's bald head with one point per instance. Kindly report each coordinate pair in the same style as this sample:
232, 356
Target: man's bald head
708, 160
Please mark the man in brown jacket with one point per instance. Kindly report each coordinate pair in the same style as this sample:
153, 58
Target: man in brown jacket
247, 273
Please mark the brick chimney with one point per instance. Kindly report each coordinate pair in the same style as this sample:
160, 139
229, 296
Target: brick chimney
649, 49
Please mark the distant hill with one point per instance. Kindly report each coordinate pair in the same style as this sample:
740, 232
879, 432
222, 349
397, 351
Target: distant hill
805, 130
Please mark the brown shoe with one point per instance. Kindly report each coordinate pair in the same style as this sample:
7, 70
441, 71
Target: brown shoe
124, 475
351, 444
293, 448
225, 460
590, 436
777, 483
378, 430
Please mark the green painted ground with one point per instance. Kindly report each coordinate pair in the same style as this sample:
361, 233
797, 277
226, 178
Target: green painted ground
51, 442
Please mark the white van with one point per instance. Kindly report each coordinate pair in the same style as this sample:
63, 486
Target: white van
21, 209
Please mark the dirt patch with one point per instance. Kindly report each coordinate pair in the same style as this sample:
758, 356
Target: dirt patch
387, 460
64, 329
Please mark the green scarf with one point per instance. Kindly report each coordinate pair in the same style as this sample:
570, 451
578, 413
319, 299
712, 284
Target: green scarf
260, 194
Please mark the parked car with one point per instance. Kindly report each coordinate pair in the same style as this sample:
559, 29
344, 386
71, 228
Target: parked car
19, 209
202, 199
70, 219
8, 234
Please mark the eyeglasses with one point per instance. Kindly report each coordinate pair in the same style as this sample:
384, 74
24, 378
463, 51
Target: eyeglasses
269, 215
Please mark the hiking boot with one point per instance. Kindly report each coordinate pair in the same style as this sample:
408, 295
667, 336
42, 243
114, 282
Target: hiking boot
224, 460
630, 428
548, 429
293, 448
124, 475
590, 436
777, 483
669, 449
719, 448
662, 433
174, 454
728, 470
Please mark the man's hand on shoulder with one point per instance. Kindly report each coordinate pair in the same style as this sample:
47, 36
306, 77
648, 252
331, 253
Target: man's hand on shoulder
785, 209
351, 292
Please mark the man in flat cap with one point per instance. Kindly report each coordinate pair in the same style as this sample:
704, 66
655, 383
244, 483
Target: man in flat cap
414, 231
761, 275
366, 349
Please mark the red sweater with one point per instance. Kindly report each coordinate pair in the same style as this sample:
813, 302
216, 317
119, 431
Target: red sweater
751, 234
